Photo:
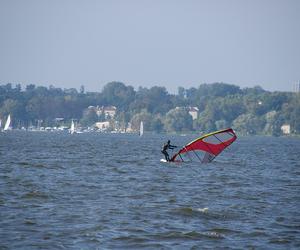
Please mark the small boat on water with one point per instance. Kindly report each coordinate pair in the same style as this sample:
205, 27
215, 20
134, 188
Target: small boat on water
72, 129
7, 125
141, 128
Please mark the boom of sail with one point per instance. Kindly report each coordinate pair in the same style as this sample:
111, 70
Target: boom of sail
206, 148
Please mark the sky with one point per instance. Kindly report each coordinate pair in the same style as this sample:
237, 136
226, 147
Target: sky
171, 43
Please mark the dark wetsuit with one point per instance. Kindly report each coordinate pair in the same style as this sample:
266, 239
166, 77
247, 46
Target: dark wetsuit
165, 148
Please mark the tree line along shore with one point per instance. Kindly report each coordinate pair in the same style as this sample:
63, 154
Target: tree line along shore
206, 108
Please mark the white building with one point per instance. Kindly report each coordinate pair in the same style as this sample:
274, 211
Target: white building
102, 125
109, 111
193, 111
286, 129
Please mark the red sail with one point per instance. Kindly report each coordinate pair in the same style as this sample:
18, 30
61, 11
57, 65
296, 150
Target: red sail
207, 147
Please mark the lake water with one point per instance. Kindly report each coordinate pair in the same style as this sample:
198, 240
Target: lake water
110, 191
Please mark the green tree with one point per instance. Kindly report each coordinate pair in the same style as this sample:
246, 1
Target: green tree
218, 90
178, 120
274, 121
122, 118
13, 107
144, 116
89, 117
221, 124
248, 124
181, 92
155, 100
251, 110
118, 94
295, 114
205, 122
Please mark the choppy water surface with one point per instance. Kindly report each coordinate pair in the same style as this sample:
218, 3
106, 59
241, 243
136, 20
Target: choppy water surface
110, 191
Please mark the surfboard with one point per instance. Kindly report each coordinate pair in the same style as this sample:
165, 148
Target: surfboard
163, 160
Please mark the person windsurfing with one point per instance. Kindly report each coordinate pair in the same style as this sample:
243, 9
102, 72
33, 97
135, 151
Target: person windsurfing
165, 147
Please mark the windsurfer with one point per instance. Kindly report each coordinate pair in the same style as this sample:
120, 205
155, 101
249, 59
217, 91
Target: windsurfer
167, 146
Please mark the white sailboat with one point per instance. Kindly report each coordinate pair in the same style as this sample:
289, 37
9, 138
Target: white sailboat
7, 124
141, 128
72, 129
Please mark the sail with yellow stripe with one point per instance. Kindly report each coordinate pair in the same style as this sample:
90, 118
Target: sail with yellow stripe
205, 148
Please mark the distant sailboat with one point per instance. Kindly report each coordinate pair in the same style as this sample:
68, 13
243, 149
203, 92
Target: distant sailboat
72, 129
141, 128
7, 124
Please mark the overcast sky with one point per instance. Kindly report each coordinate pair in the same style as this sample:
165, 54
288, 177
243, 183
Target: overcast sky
150, 42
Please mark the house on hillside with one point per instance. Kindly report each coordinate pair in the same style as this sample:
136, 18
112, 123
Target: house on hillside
193, 111
103, 126
286, 129
108, 111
